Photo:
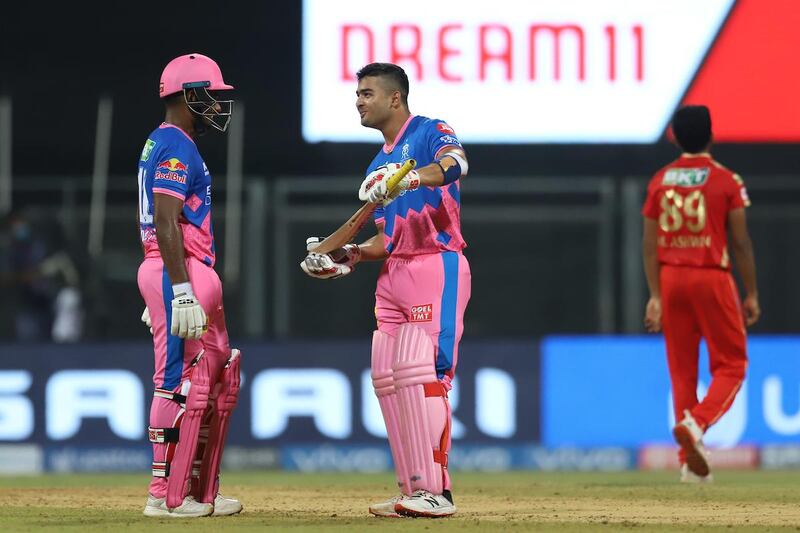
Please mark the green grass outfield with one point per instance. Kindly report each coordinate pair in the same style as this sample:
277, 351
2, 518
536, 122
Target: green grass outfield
520, 501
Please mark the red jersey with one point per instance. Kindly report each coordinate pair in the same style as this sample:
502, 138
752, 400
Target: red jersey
690, 198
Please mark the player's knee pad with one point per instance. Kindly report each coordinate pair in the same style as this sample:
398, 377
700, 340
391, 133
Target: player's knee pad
182, 438
425, 414
221, 406
383, 351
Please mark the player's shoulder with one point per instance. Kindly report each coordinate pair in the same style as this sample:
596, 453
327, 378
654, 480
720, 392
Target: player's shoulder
725, 175
435, 124
171, 136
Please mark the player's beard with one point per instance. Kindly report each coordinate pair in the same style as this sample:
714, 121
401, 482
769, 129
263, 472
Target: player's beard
199, 126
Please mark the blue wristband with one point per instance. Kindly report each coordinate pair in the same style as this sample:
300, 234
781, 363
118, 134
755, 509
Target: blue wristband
452, 173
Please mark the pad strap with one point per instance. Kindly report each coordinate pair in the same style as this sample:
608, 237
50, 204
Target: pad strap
160, 469
169, 395
163, 435
434, 389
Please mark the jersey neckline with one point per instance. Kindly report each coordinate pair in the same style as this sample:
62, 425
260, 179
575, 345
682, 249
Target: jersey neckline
168, 125
387, 149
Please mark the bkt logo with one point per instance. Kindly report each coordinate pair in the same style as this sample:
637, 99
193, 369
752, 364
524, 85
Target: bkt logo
277, 396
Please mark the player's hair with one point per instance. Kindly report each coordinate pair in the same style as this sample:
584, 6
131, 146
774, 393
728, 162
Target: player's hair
396, 76
692, 128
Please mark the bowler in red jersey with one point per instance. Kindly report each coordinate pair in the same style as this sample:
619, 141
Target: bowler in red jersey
692, 204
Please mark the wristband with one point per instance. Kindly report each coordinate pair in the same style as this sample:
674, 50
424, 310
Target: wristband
183, 289
452, 173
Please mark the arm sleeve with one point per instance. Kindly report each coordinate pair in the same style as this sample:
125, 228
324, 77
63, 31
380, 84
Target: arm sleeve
171, 175
737, 193
440, 136
650, 208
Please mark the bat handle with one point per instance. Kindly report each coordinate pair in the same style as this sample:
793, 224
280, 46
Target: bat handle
407, 167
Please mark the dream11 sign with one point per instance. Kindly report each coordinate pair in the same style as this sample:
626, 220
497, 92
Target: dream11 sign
568, 71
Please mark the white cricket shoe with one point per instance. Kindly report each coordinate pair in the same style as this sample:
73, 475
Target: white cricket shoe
190, 508
386, 509
226, 506
689, 436
425, 504
687, 476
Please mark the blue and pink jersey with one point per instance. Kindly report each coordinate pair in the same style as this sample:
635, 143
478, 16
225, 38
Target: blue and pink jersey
170, 164
426, 220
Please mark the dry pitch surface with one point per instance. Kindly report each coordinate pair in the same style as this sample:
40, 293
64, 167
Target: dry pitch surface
629, 501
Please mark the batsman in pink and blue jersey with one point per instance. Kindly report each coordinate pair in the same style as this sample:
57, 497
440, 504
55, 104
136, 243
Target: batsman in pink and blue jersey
422, 290
196, 376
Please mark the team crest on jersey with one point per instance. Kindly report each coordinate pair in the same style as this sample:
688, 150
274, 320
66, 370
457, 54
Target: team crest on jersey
421, 313
686, 177
404, 153
445, 128
148, 147
173, 170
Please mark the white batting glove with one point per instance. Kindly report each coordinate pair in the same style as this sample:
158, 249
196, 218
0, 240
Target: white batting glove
336, 264
188, 318
373, 189
146, 319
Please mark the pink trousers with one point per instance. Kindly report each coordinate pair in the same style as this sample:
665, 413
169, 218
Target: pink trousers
173, 355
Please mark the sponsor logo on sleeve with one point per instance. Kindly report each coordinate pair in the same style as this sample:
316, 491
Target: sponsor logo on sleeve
449, 139
421, 313
148, 147
445, 128
686, 177
173, 170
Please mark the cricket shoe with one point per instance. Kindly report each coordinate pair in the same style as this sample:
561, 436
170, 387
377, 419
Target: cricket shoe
425, 504
190, 508
386, 509
689, 436
226, 506
687, 476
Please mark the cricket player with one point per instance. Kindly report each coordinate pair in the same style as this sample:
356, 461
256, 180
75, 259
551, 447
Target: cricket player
196, 372
422, 291
691, 206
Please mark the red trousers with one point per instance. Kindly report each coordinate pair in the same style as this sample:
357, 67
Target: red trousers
703, 302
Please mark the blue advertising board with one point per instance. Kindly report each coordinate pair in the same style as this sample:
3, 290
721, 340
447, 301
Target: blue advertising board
615, 391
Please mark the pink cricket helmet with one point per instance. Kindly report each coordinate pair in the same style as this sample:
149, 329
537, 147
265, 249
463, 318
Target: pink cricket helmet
191, 70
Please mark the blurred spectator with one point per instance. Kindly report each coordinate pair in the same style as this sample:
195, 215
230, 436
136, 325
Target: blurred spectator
42, 286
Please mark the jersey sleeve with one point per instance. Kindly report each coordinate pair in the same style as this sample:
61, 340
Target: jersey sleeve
171, 175
737, 193
441, 136
378, 215
650, 208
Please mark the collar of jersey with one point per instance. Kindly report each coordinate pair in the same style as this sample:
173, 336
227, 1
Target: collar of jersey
168, 125
387, 149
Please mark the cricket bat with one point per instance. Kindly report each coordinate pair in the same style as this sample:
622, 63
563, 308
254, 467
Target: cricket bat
348, 231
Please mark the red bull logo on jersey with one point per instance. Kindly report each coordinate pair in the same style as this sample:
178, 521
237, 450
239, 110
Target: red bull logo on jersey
421, 313
173, 170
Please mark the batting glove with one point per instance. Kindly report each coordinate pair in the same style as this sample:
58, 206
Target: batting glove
374, 189
336, 264
188, 318
146, 319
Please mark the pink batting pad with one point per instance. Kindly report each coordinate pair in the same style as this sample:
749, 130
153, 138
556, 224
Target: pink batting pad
424, 412
382, 355
180, 468
223, 405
